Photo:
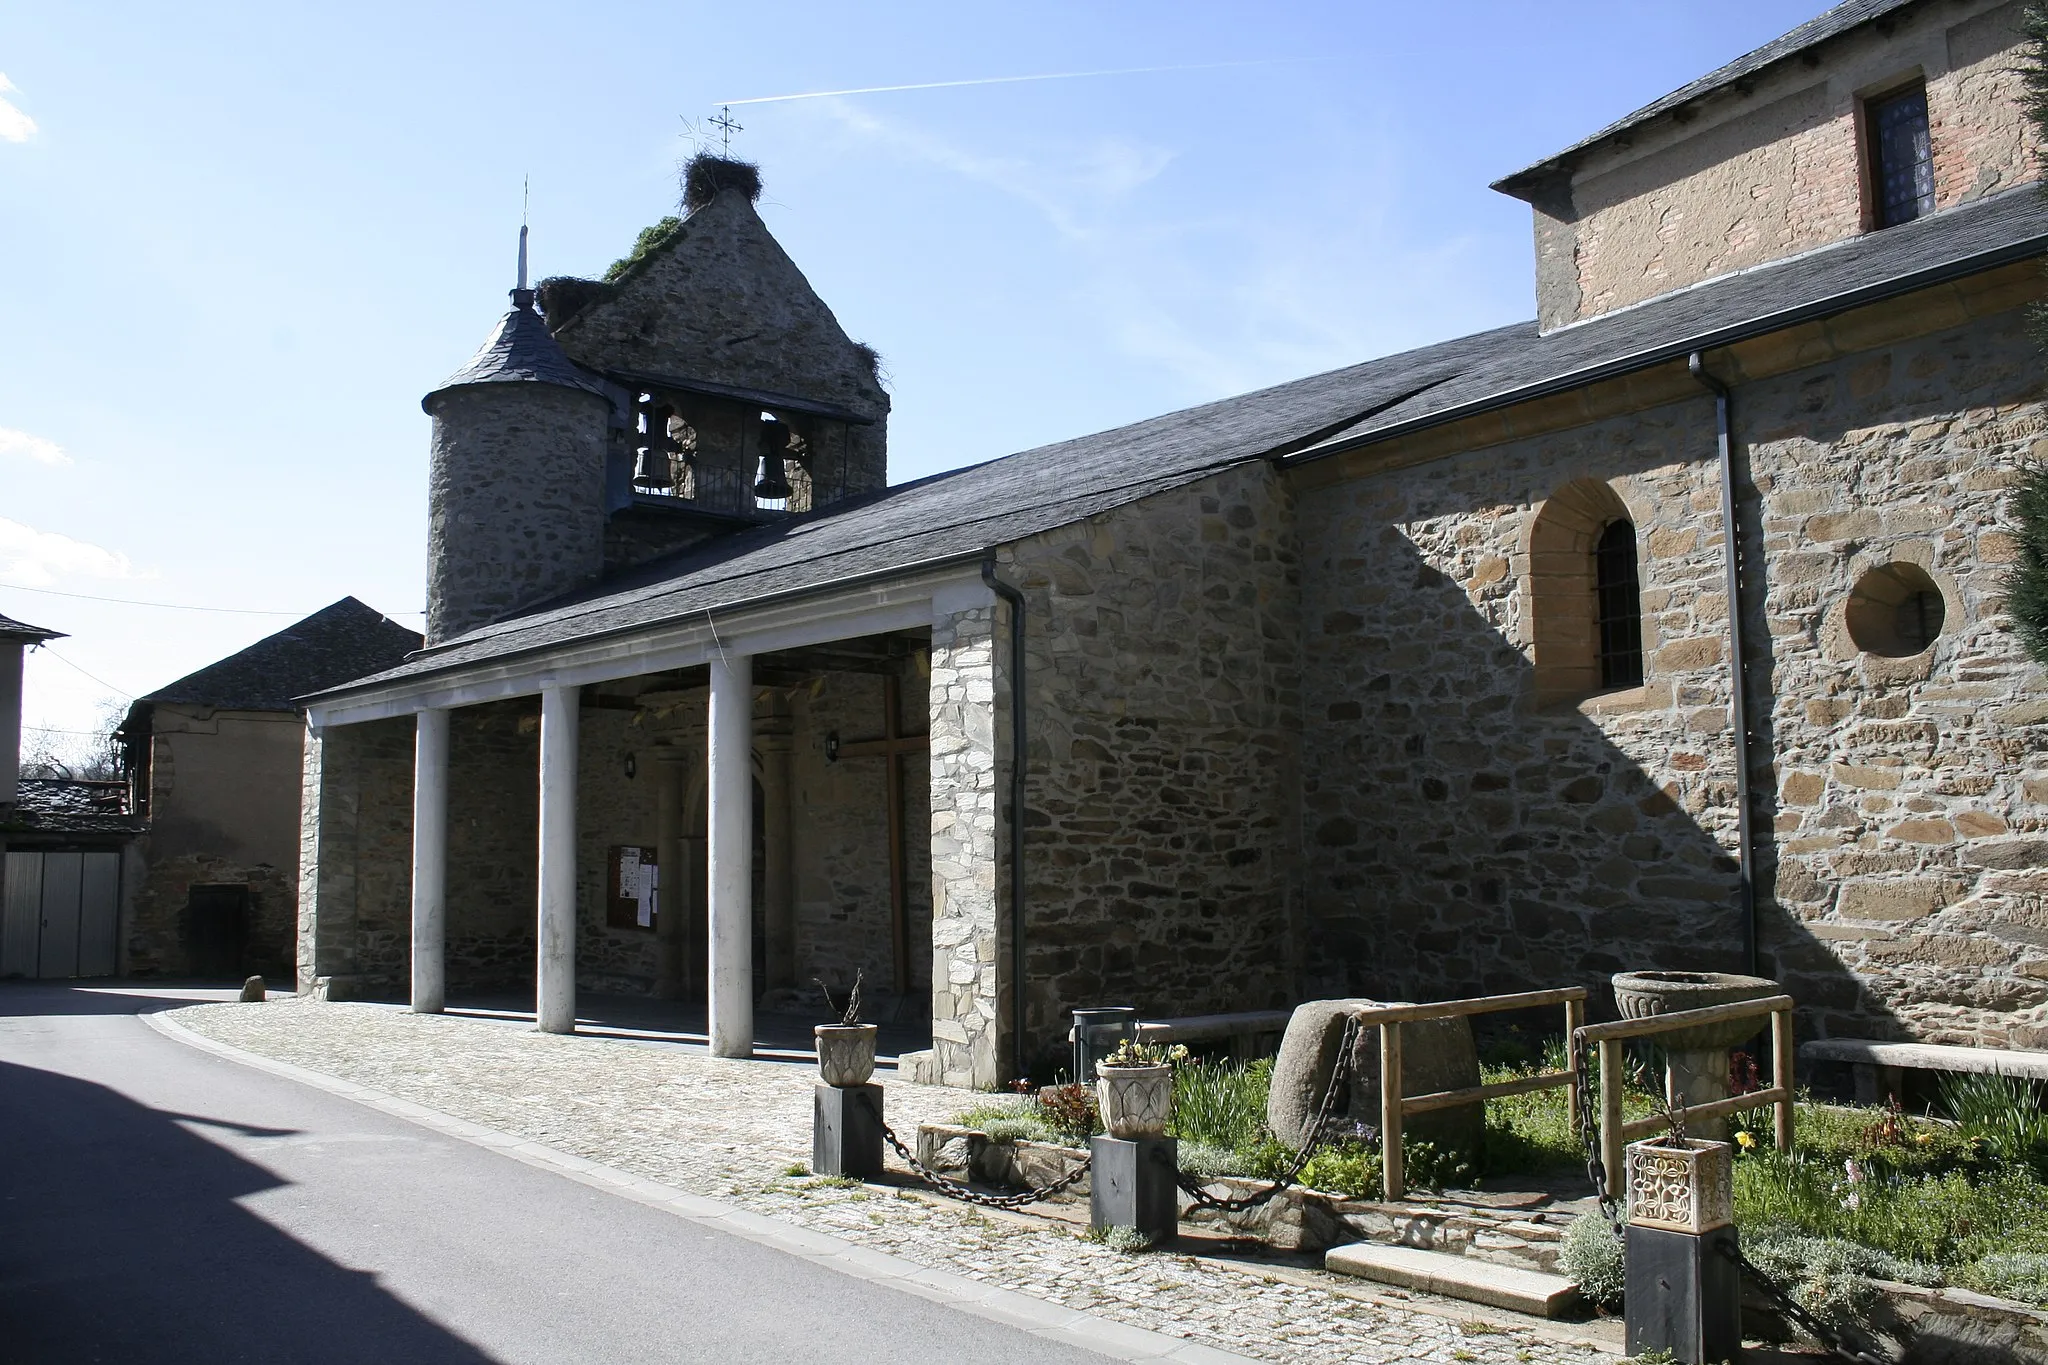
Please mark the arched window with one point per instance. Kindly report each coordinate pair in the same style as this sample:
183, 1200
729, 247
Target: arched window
1620, 606
1585, 619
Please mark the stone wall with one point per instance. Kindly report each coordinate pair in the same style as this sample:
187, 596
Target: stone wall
1462, 836
355, 857
1774, 166
515, 500
720, 302
969, 850
224, 809
1909, 809
841, 837
493, 873
1165, 693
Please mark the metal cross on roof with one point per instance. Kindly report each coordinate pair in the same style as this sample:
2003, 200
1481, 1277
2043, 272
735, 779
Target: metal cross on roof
726, 126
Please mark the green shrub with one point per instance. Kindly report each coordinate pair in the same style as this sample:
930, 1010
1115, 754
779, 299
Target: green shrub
1830, 1278
1221, 1103
2015, 1275
1947, 1219
2003, 1112
2026, 586
1205, 1159
1020, 1128
1891, 1140
1592, 1255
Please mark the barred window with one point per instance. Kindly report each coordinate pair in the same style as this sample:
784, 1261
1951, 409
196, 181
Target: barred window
1901, 157
1620, 606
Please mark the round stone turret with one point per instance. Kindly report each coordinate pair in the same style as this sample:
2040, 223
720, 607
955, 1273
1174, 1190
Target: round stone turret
516, 490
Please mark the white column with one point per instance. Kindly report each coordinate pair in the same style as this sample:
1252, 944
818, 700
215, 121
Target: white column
730, 820
554, 996
430, 863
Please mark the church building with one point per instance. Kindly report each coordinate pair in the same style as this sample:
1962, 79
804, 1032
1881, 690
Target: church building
1664, 629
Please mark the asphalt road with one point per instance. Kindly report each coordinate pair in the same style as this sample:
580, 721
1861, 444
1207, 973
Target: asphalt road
159, 1204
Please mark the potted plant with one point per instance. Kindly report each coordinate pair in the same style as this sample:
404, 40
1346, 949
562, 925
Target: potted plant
846, 1050
1134, 1087
1678, 1183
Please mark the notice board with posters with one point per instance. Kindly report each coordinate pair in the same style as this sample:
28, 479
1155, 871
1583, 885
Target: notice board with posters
635, 877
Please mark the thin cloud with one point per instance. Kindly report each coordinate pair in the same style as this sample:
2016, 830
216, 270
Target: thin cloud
38, 448
1071, 196
994, 80
15, 126
37, 559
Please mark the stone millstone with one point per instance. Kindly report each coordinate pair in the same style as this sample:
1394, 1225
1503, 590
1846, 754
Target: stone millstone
1436, 1054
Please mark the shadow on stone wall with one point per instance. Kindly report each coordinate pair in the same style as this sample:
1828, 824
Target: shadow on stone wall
1461, 841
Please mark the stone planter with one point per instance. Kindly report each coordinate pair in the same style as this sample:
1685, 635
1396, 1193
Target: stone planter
1136, 1101
846, 1053
1681, 1189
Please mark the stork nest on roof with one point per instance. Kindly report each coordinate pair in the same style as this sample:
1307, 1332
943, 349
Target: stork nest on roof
705, 176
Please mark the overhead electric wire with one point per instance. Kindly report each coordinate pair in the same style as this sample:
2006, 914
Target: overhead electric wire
45, 648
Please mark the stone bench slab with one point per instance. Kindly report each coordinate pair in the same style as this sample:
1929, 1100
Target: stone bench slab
1456, 1277
1927, 1057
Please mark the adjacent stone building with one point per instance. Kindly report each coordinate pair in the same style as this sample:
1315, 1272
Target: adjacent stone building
1453, 671
213, 763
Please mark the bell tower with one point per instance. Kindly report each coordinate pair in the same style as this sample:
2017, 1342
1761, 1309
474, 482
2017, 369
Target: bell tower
516, 487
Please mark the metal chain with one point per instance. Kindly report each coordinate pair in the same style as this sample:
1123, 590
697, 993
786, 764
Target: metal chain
966, 1194
1589, 1135
1340, 1083
1596, 1171
1791, 1307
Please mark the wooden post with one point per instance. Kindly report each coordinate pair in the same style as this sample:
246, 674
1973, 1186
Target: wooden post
1574, 1017
1392, 1177
1781, 1074
1610, 1113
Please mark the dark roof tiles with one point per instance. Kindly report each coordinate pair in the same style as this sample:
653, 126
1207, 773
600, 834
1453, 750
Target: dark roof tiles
521, 351
329, 647
11, 629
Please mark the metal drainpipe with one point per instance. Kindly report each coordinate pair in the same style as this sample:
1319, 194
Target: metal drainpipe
1019, 733
1737, 660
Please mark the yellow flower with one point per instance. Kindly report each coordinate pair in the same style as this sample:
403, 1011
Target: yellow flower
1745, 1139
1923, 1138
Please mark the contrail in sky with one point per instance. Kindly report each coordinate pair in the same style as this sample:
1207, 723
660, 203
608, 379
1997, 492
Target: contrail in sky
989, 80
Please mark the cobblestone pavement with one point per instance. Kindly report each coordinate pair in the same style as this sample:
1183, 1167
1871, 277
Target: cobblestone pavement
734, 1130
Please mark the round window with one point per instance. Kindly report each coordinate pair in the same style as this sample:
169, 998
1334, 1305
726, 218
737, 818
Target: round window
1895, 611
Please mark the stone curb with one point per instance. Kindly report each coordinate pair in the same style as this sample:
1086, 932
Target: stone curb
1118, 1341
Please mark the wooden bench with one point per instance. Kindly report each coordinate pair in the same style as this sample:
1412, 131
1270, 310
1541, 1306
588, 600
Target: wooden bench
1878, 1068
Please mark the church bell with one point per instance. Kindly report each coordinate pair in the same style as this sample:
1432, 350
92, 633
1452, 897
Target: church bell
773, 481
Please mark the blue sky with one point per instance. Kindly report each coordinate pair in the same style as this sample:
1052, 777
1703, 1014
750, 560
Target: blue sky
240, 242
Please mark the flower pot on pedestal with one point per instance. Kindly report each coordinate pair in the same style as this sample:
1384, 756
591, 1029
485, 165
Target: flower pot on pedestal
846, 1053
1136, 1101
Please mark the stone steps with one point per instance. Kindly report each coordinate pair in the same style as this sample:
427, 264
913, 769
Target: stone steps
1456, 1277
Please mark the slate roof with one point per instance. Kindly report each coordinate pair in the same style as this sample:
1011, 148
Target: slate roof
331, 646
61, 806
11, 629
521, 351
960, 513
1808, 35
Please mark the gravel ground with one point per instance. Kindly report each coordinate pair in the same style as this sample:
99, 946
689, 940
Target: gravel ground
734, 1130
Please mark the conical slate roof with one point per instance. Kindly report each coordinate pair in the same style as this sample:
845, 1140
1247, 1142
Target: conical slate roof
520, 352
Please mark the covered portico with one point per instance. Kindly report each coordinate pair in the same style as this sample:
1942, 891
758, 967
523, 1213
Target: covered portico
790, 744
